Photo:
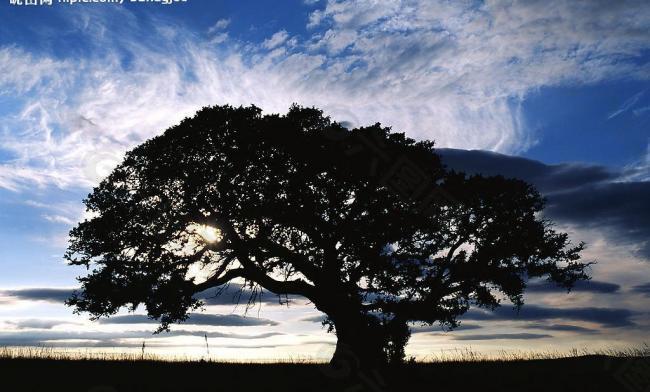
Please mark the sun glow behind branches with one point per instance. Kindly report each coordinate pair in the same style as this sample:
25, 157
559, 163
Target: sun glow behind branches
207, 233
200, 236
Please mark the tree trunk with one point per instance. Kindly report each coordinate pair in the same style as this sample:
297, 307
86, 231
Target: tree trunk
360, 343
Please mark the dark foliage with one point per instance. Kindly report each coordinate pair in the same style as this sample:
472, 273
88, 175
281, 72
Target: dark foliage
306, 207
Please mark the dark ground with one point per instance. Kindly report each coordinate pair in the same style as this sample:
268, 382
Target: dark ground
593, 373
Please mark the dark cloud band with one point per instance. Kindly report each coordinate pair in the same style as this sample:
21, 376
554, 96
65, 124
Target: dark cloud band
226, 320
56, 295
607, 317
504, 336
592, 286
586, 196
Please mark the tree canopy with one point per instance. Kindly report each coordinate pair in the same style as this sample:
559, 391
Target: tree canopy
365, 223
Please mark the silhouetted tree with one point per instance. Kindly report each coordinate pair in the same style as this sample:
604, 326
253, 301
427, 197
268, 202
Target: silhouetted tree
365, 223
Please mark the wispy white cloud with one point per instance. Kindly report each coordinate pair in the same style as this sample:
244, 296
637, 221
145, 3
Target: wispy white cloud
59, 219
315, 19
276, 39
627, 105
640, 169
219, 25
22, 72
452, 72
216, 32
219, 38
641, 111
66, 212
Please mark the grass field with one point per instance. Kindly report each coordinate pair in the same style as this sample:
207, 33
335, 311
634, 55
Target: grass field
50, 370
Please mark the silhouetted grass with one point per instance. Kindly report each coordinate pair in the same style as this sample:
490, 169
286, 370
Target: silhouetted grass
47, 369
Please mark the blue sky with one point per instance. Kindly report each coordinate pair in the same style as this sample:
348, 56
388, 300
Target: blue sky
564, 86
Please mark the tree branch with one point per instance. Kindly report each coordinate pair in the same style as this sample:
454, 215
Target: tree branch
297, 260
217, 280
253, 272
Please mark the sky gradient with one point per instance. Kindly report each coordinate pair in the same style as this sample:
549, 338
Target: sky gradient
554, 92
